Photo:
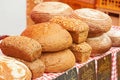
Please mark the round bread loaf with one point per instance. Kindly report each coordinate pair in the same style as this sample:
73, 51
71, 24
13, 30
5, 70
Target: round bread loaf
46, 10
51, 36
114, 36
77, 28
11, 69
97, 21
58, 61
21, 47
99, 44
37, 67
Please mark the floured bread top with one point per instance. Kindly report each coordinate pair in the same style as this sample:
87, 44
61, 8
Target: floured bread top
11, 69
51, 7
113, 33
91, 14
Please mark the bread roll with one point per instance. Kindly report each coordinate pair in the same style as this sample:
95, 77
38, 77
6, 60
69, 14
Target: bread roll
11, 69
21, 47
114, 36
97, 21
99, 44
81, 51
46, 10
77, 28
51, 36
58, 61
37, 67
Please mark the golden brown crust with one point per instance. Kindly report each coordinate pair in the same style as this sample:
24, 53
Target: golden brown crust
77, 28
81, 51
21, 47
99, 44
58, 61
11, 69
51, 36
37, 67
98, 21
46, 10
70, 24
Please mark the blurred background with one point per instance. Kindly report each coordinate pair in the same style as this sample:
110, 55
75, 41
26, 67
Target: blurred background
13, 12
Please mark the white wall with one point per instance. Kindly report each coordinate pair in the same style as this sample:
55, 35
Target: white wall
12, 16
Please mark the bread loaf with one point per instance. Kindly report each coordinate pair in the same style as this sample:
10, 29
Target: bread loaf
100, 44
81, 51
77, 28
114, 36
51, 36
58, 61
97, 21
21, 47
37, 67
46, 10
11, 69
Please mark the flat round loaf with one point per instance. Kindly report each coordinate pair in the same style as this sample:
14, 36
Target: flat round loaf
51, 36
21, 47
114, 36
46, 10
99, 44
97, 21
11, 69
58, 61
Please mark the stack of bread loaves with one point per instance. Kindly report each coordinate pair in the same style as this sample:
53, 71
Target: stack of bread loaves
99, 23
55, 42
79, 32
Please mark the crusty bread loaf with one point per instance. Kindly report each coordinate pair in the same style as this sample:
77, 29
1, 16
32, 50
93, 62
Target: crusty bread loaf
81, 51
51, 36
37, 67
46, 10
114, 36
97, 21
11, 69
77, 28
21, 47
58, 61
99, 44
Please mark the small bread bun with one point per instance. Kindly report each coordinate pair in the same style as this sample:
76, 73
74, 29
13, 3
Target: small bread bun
58, 61
11, 69
81, 51
46, 10
21, 47
51, 36
114, 36
77, 28
99, 44
97, 21
37, 67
